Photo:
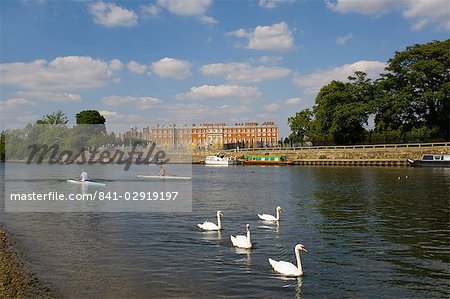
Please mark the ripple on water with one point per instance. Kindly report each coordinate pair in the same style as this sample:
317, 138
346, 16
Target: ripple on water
368, 235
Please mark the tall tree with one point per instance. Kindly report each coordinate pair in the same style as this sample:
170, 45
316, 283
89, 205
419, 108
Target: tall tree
92, 118
2, 146
414, 92
301, 125
342, 109
55, 118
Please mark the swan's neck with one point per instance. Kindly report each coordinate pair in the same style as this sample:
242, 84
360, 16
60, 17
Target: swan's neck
219, 224
278, 215
248, 237
299, 262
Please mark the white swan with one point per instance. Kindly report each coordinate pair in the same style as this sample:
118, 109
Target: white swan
212, 226
268, 217
242, 241
289, 269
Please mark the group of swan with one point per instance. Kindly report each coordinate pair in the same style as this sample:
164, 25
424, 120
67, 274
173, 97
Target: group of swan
282, 267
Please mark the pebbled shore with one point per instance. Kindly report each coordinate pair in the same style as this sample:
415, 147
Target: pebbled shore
16, 280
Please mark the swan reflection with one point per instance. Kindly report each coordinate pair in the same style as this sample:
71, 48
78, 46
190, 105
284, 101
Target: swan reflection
247, 256
293, 282
212, 235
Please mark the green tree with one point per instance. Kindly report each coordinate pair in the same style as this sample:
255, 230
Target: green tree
414, 92
55, 118
301, 125
342, 109
2, 147
91, 117
410, 102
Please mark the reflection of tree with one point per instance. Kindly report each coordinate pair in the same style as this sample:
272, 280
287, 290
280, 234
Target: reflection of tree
415, 212
370, 209
343, 198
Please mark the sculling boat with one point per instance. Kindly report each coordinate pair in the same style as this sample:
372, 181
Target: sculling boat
86, 183
165, 177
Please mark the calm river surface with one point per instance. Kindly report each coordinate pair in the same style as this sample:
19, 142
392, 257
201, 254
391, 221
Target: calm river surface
369, 234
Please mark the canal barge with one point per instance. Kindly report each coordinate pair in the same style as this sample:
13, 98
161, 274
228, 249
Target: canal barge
431, 160
265, 160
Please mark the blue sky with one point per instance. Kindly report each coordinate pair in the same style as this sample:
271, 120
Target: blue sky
177, 61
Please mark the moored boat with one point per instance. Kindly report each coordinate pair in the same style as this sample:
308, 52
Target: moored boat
220, 159
266, 160
431, 160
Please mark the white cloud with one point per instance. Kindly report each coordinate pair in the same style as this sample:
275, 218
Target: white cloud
421, 12
195, 8
342, 40
240, 33
116, 65
314, 81
107, 113
244, 72
276, 37
211, 92
272, 3
139, 102
120, 122
60, 74
60, 97
15, 112
196, 112
135, 67
111, 15
150, 10
15, 104
269, 59
114, 118
207, 20
371, 7
172, 68
273, 107
424, 12
292, 101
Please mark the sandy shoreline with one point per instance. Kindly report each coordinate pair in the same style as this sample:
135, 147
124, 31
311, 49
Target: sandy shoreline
16, 280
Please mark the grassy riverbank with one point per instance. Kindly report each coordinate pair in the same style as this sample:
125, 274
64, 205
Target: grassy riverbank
16, 280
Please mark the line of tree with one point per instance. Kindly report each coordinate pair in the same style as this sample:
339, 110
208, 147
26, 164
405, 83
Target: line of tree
52, 128
408, 103
2, 146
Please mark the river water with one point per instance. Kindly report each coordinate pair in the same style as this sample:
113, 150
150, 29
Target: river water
368, 234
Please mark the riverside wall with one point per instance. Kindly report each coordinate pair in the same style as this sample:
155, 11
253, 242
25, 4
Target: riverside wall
387, 154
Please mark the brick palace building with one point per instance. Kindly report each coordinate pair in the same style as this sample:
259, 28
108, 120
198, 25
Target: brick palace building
210, 135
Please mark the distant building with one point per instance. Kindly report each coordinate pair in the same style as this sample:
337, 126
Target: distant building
210, 136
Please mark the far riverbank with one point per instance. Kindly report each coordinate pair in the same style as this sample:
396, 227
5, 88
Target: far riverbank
356, 155
396, 154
